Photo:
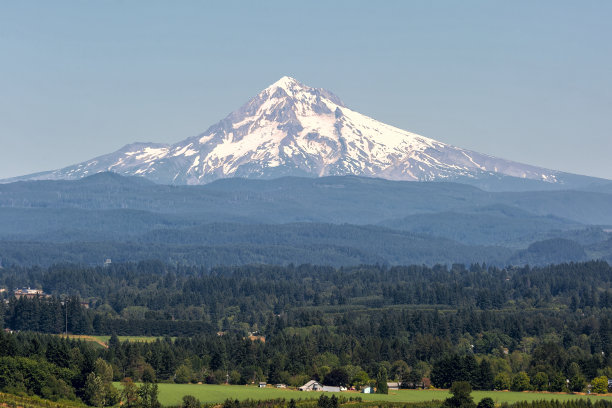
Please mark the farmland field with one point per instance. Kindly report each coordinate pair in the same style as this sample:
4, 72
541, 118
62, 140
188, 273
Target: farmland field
84, 337
103, 340
172, 394
133, 339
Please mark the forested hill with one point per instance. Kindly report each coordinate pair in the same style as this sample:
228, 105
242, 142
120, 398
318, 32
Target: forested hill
346, 199
332, 221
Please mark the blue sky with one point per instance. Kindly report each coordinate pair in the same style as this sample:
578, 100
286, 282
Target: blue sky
524, 80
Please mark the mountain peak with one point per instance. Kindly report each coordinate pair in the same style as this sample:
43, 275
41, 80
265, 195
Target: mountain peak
291, 129
290, 85
286, 82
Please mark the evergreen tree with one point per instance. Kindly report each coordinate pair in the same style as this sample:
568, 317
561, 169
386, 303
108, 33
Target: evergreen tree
148, 393
484, 378
381, 381
94, 392
577, 382
189, 401
461, 398
323, 402
486, 402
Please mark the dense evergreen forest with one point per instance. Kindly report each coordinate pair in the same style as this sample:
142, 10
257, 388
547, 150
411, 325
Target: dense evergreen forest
545, 328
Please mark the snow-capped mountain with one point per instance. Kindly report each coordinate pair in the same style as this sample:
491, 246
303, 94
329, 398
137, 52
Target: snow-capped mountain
292, 129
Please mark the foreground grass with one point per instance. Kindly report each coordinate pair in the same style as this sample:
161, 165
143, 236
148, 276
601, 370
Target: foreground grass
10, 400
172, 394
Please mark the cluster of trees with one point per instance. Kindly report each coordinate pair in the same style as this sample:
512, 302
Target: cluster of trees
548, 368
577, 403
58, 369
512, 328
141, 284
242, 297
461, 398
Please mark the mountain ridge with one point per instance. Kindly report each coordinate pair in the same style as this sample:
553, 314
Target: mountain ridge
343, 219
337, 199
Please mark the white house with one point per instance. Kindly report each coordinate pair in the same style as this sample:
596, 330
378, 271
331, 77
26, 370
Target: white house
311, 385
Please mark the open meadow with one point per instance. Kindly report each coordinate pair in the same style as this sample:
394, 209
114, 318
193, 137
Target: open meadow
103, 340
172, 394
132, 339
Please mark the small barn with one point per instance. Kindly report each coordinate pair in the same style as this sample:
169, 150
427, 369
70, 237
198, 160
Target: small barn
393, 385
311, 385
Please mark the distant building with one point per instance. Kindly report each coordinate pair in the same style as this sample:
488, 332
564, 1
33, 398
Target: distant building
367, 390
256, 338
424, 383
393, 385
311, 385
29, 293
107, 262
262, 385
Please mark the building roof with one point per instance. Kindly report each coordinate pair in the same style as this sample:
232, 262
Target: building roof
310, 384
28, 291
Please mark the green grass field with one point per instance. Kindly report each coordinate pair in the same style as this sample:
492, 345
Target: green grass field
143, 339
102, 341
172, 394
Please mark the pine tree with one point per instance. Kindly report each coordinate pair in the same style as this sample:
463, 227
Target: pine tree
461, 398
381, 381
